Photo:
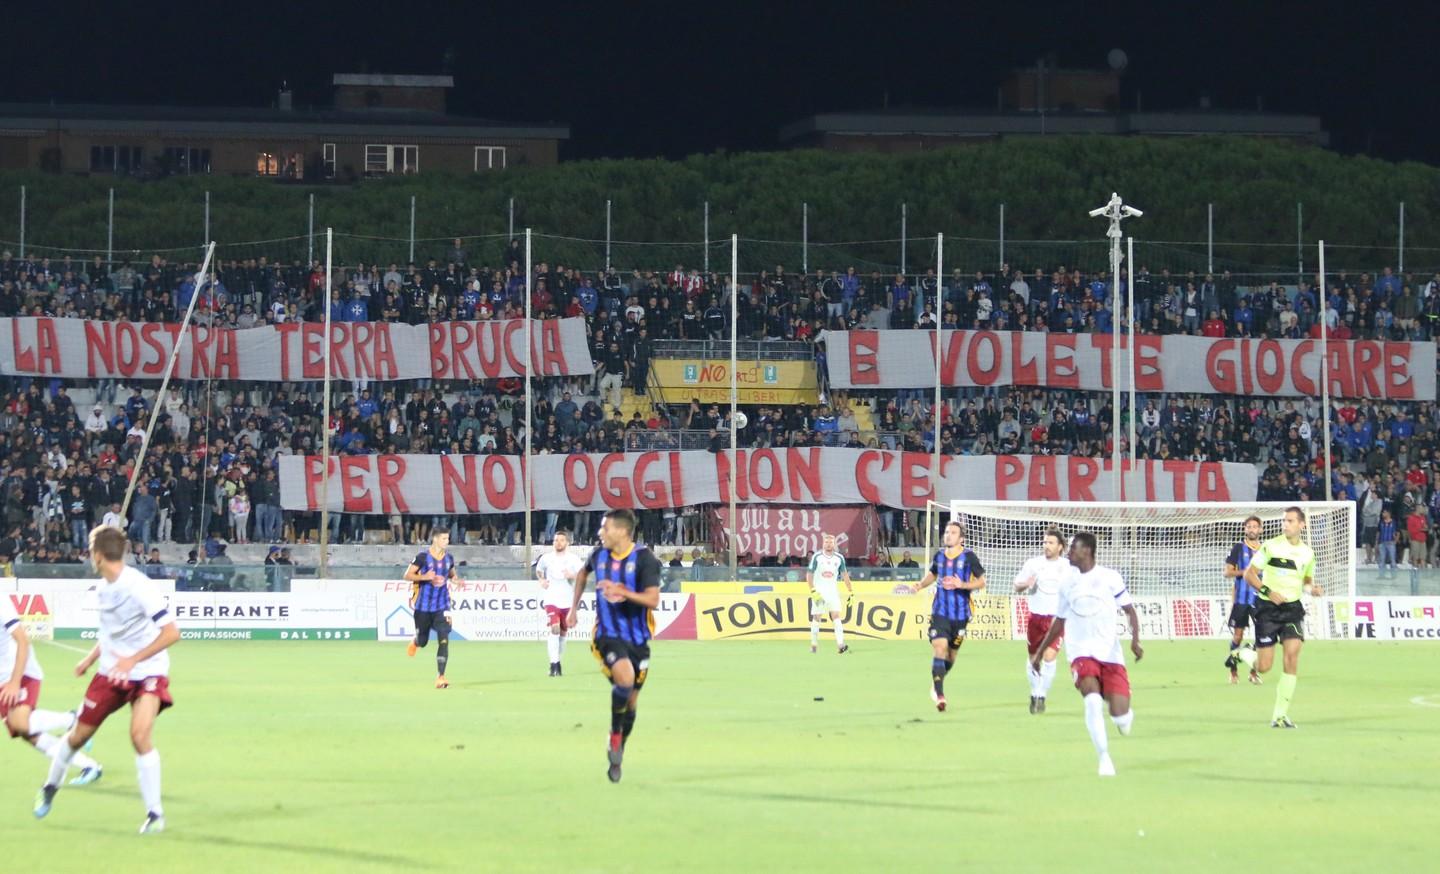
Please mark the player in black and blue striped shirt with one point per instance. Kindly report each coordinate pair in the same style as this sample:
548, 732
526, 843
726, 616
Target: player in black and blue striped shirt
959, 573
627, 588
1244, 597
430, 574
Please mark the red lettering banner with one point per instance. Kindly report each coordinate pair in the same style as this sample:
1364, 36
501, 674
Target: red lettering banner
1372, 369
465, 484
291, 352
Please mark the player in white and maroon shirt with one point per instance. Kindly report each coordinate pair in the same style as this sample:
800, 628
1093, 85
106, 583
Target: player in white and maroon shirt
1085, 616
20, 678
1040, 579
136, 630
556, 572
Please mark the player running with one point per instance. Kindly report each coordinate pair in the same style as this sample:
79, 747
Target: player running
136, 632
827, 568
1245, 597
1281, 571
20, 678
432, 572
1040, 579
556, 572
627, 588
959, 573
1085, 617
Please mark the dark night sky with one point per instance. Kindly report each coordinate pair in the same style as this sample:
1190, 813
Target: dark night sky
645, 79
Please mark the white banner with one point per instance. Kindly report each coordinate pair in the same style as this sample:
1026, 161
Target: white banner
1287, 368
512, 610
240, 615
465, 484
80, 349
1405, 618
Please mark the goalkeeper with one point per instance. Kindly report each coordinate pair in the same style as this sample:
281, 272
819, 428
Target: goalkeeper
826, 570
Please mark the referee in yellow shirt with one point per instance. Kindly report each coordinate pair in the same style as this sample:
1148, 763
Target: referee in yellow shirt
1281, 571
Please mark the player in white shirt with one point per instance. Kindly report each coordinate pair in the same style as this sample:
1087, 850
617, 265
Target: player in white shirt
556, 572
136, 630
1085, 616
827, 569
1040, 579
20, 678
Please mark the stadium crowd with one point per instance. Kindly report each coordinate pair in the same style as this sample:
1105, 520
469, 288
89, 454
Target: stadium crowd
210, 471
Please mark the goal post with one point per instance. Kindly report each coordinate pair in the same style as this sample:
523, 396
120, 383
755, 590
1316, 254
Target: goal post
1172, 555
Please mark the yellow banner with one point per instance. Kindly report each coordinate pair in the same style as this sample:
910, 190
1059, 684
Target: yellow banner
775, 616
759, 382
862, 587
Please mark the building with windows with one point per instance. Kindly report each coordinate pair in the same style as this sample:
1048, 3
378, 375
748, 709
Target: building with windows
1039, 102
379, 125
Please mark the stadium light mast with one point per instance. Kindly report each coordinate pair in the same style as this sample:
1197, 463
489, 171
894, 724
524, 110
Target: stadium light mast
1115, 212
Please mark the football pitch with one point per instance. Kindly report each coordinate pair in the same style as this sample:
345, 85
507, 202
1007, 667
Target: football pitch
315, 756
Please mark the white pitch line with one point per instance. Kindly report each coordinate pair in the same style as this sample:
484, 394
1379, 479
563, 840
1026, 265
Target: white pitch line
81, 649
1425, 701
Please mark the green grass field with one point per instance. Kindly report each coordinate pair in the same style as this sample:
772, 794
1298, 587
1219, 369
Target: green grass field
341, 757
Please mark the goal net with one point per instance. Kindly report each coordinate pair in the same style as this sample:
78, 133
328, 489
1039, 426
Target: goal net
1172, 555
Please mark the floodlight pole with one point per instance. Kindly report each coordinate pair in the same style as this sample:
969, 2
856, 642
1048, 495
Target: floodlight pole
1115, 212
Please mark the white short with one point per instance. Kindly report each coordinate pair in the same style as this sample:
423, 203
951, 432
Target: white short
829, 601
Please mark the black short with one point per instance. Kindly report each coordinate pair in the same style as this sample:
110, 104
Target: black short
1278, 622
609, 650
952, 631
428, 620
1240, 615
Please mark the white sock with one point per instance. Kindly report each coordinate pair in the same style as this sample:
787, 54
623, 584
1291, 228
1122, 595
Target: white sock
552, 646
562, 647
46, 721
46, 744
814, 631
148, 768
1047, 676
1095, 723
839, 632
1033, 678
1123, 722
60, 762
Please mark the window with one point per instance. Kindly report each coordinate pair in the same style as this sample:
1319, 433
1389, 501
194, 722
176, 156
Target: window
267, 164
184, 160
327, 155
383, 160
489, 158
115, 159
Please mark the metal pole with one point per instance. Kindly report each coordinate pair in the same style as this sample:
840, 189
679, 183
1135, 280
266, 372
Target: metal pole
22, 221
160, 396
904, 217
1002, 237
1400, 268
706, 254
1325, 378
1209, 238
511, 235
607, 236
412, 228
1130, 318
310, 247
805, 237
734, 402
529, 417
110, 231
325, 421
1300, 240
207, 215
1115, 466
935, 411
